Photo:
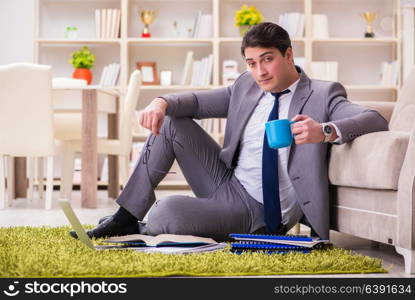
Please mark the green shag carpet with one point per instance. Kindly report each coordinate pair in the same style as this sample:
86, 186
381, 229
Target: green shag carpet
51, 252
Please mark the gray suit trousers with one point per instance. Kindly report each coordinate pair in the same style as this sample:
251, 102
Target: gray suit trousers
221, 205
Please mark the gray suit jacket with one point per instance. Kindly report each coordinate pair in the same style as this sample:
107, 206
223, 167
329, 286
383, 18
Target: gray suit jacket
307, 164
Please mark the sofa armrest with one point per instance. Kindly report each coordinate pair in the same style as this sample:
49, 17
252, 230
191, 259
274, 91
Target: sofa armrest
383, 107
406, 198
378, 155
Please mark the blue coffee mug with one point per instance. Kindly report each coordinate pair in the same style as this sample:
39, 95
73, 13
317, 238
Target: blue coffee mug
279, 133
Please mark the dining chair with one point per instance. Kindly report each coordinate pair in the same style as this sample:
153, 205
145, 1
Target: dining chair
121, 146
26, 122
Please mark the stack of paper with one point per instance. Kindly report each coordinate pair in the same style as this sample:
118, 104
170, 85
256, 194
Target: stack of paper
109, 75
293, 23
324, 70
389, 73
107, 23
320, 27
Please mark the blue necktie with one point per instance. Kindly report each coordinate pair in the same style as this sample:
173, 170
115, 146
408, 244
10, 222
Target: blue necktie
270, 186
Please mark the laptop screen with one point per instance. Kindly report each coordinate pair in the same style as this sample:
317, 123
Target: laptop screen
76, 225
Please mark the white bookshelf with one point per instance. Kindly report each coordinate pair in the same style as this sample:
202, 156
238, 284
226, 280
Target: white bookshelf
359, 59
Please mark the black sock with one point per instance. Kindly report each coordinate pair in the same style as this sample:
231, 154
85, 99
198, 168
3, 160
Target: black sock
123, 217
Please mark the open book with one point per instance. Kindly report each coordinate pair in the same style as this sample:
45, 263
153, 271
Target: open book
161, 240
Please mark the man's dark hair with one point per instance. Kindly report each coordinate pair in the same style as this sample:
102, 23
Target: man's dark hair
266, 35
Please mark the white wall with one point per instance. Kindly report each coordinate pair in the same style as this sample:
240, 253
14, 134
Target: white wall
16, 34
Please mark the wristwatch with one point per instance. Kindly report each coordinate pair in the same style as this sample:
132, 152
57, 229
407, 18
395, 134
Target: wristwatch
327, 131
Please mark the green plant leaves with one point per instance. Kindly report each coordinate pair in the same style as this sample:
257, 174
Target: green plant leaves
82, 59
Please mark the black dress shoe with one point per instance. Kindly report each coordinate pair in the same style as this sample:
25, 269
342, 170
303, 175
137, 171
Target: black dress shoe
103, 219
109, 228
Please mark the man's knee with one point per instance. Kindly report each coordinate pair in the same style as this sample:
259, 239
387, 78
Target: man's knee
171, 124
165, 217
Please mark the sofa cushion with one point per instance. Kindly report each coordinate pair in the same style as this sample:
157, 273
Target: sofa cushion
371, 161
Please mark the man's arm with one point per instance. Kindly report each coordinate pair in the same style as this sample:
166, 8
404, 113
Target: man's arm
199, 105
346, 119
209, 104
351, 120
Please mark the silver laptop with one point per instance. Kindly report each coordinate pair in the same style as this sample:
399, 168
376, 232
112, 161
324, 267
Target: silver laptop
80, 231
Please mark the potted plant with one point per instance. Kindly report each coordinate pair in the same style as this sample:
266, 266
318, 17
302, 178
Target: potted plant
247, 17
83, 60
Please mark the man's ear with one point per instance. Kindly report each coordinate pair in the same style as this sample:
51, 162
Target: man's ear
289, 55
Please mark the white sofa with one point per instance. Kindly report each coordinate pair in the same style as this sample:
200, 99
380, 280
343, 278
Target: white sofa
373, 179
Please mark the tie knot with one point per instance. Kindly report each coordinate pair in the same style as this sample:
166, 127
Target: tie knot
278, 95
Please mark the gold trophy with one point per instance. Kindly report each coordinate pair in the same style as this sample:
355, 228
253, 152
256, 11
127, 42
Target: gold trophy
369, 17
147, 17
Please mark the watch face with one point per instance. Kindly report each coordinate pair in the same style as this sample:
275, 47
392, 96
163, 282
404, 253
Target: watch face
327, 129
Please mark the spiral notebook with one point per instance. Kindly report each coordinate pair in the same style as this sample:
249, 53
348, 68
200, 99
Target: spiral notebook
275, 243
294, 240
249, 246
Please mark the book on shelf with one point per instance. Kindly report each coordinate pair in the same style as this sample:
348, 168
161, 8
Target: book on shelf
293, 23
195, 72
202, 25
97, 23
109, 75
320, 27
196, 23
222, 125
202, 71
107, 23
208, 125
209, 70
389, 73
324, 70
187, 71
205, 27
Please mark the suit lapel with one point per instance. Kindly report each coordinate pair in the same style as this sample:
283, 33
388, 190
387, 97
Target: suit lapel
301, 95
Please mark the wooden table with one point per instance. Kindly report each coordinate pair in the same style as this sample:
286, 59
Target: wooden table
88, 100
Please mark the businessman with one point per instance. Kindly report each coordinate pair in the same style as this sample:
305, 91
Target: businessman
245, 186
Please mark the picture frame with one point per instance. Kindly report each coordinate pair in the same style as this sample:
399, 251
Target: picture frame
149, 74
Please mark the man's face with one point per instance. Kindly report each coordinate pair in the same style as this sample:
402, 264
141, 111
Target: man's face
268, 67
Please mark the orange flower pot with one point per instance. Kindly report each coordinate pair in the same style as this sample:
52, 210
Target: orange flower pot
85, 74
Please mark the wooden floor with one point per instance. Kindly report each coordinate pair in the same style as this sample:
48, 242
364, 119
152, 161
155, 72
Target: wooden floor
31, 213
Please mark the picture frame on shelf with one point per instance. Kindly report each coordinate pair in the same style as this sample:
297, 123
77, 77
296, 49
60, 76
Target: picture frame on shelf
148, 72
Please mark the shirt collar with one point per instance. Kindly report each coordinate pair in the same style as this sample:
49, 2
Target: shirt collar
292, 88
